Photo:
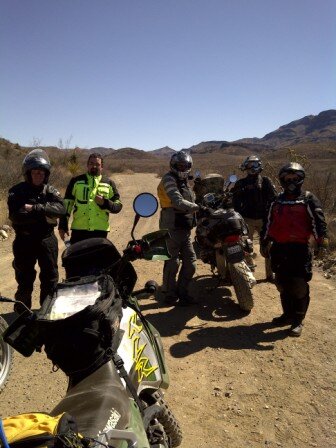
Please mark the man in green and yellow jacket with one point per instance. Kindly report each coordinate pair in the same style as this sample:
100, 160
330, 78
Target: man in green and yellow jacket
91, 197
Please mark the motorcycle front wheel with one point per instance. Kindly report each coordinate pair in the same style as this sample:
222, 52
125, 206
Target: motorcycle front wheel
167, 419
240, 277
6, 356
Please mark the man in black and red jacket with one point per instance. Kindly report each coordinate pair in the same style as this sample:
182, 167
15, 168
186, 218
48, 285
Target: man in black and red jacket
293, 218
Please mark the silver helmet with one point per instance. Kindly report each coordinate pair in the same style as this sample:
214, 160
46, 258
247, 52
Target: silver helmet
252, 165
181, 164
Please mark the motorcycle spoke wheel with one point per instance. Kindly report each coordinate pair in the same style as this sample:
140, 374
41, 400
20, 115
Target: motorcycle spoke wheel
6, 356
167, 420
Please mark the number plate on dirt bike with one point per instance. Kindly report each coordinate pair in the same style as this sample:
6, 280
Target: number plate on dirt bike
235, 253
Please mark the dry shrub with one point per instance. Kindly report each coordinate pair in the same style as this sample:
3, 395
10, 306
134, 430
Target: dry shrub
3, 212
331, 221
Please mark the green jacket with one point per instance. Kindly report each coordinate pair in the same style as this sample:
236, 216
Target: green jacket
79, 199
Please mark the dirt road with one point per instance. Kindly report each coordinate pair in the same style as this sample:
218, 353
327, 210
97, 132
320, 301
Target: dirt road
235, 381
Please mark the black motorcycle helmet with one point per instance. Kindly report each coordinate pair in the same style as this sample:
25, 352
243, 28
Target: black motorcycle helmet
34, 160
292, 185
252, 165
180, 164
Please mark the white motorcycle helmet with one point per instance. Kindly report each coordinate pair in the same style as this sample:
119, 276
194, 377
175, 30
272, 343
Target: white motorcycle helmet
252, 165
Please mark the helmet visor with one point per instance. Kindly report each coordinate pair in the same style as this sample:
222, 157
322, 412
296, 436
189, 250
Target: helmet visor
182, 166
291, 177
252, 165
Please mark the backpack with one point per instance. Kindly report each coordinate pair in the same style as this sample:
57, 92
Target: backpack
79, 324
40, 430
211, 183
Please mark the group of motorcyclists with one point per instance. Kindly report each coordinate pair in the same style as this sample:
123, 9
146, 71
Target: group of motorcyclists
285, 223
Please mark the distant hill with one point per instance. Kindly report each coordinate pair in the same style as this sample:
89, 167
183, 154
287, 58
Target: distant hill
100, 149
312, 128
166, 151
319, 128
130, 153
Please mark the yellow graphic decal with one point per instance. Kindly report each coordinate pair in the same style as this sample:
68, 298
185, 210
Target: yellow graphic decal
142, 363
133, 327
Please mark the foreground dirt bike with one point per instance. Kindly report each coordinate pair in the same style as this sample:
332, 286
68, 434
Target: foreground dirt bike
93, 329
222, 239
6, 356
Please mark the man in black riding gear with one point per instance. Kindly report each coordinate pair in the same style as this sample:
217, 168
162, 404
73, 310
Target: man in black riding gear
34, 207
293, 218
178, 210
251, 197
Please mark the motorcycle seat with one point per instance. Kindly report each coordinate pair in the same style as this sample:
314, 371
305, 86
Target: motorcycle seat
98, 403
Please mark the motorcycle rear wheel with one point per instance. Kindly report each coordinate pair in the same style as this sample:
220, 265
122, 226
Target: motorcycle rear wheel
167, 419
6, 356
241, 284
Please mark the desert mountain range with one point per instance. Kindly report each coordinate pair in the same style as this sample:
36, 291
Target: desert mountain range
312, 128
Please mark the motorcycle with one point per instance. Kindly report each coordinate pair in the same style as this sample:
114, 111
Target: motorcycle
6, 356
116, 396
222, 238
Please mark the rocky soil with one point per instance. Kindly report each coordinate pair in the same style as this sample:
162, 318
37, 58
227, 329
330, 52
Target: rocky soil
235, 380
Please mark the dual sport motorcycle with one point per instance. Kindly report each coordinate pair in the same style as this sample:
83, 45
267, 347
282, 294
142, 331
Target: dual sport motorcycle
93, 329
6, 356
222, 238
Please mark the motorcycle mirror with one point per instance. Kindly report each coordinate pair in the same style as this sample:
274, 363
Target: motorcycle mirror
233, 178
144, 205
209, 198
197, 173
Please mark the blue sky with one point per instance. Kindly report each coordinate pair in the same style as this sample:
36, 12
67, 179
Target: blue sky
152, 73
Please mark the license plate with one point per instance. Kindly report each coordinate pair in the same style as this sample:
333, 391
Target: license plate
236, 249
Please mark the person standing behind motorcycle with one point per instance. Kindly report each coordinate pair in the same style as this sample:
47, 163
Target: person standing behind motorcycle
251, 198
91, 197
293, 218
34, 206
178, 208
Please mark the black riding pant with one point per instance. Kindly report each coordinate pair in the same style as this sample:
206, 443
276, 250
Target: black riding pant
292, 265
28, 250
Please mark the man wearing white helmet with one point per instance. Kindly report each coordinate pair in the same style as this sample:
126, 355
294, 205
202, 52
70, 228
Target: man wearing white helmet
178, 210
251, 198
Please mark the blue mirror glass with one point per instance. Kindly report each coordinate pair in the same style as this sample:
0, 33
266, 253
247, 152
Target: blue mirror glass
145, 205
233, 178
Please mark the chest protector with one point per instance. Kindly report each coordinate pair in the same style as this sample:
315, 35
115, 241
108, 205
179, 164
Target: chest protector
290, 222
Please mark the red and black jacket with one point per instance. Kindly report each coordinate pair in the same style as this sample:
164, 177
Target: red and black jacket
295, 220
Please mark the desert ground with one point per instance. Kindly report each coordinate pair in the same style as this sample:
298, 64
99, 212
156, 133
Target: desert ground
235, 380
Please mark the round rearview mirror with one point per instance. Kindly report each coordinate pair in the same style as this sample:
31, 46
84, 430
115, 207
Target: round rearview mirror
197, 173
233, 178
145, 205
209, 198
